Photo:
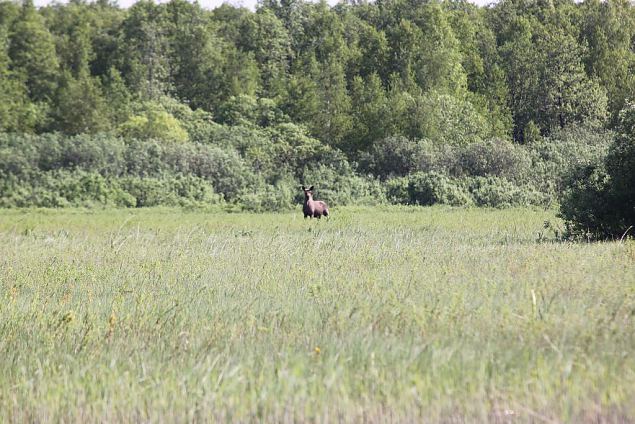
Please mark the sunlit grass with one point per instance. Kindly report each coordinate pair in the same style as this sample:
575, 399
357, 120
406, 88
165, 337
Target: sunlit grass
376, 314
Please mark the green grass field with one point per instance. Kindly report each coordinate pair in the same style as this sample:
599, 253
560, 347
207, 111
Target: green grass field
390, 314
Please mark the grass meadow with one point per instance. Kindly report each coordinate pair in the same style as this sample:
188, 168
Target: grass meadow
376, 315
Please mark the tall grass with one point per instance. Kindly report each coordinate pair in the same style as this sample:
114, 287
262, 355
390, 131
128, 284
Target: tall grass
386, 314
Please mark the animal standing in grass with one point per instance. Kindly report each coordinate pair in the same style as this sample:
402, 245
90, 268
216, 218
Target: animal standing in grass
313, 208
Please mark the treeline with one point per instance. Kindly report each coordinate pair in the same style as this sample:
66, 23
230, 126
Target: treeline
395, 100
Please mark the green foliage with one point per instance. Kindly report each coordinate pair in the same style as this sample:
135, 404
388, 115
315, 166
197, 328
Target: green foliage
17, 113
263, 197
553, 159
62, 188
585, 203
340, 186
608, 28
80, 106
566, 93
500, 193
32, 53
391, 156
600, 200
249, 110
431, 188
495, 158
176, 190
153, 123
445, 119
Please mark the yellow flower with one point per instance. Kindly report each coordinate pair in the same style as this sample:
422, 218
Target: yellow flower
68, 317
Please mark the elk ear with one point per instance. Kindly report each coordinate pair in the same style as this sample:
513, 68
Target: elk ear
303, 188
311, 188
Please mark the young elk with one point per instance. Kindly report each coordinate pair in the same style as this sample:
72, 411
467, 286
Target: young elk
313, 208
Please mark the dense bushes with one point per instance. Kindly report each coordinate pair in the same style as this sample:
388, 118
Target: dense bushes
61, 188
429, 188
260, 169
600, 198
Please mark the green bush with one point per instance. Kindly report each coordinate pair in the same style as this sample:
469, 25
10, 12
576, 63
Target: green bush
431, 188
171, 191
397, 191
499, 192
61, 188
153, 122
600, 199
585, 203
555, 158
494, 157
341, 186
282, 195
25, 154
390, 157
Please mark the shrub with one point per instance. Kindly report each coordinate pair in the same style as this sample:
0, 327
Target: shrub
499, 192
555, 158
248, 110
100, 153
397, 191
171, 191
60, 188
431, 188
494, 157
270, 197
600, 200
342, 186
154, 122
391, 156
585, 203
445, 119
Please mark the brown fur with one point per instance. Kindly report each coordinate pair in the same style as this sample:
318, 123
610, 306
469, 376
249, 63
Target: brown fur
313, 208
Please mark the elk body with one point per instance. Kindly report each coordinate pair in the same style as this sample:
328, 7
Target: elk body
313, 208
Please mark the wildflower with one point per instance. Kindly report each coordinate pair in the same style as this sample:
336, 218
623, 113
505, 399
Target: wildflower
68, 317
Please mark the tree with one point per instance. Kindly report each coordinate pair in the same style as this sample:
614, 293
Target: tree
32, 54
565, 94
144, 50
332, 122
608, 28
302, 101
370, 110
520, 60
197, 58
73, 27
438, 66
620, 165
265, 35
17, 114
547, 81
117, 98
80, 106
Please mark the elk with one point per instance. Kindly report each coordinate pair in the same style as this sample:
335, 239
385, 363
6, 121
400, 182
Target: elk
313, 208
